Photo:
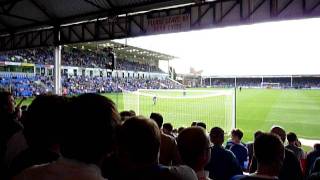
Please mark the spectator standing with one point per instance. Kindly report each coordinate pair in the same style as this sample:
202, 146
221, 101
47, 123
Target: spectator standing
42, 128
292, 140
88, 137
238, 149
139, 142
250, 147
195, 151
269, 153
223, 164
169, 154
291, 169
9, 126
312, 156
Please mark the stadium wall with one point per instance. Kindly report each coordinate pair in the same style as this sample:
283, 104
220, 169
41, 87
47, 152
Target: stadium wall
76, 71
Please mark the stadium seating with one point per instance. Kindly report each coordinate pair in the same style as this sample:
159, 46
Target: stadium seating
73, 57
31, 86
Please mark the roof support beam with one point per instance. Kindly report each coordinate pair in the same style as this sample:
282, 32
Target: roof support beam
284, 7
314, 7
94, 4
42, 9
255, 9
110, 3
20, 17
11, 6
223, 15
5, 24
220, 14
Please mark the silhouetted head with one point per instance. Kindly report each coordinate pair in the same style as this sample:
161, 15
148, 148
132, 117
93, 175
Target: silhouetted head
44, 120
126, 115
269, 152
292, 137
90, 129
139, 141
202, 124
167, 128
236, 135
217, 136
6, 102
194, 147
157, 117
280, 132
194, 123
257, 133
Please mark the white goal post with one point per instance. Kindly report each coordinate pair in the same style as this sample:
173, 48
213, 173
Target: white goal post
270, 85
182, 107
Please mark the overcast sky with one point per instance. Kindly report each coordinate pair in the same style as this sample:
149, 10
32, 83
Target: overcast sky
278, 48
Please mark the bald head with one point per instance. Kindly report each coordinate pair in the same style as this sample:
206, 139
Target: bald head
280, 132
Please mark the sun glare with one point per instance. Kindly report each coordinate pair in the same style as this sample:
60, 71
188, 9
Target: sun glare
276, 48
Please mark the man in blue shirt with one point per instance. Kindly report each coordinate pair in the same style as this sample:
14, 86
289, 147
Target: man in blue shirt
223, 163
238, 149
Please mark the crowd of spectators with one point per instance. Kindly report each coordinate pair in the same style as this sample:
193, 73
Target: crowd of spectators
74, 57
32, 86
97, 142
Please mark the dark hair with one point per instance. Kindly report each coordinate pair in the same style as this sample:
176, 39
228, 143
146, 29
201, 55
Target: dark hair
90, 129
125, 115
24, 108
139, 139
180, 129
194, 123
291, 137
202, 124
133, 112
268, 149
238, 133
4, 99
279, 131
157, 117
316, 146
168, 126
44, 120
257, 133
217, 136
192, 143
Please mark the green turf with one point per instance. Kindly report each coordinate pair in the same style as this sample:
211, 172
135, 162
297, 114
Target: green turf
257, 109
295, 110
182, 110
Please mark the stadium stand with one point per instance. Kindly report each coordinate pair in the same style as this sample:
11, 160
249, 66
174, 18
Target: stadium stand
32, 86
29, 84
73, 57
255, 82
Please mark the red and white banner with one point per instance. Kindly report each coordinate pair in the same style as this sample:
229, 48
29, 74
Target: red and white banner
169, 24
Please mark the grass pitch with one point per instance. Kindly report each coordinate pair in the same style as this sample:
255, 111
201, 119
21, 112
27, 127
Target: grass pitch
257, 109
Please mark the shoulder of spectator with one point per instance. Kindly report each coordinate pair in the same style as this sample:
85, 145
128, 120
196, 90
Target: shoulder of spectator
183, 172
